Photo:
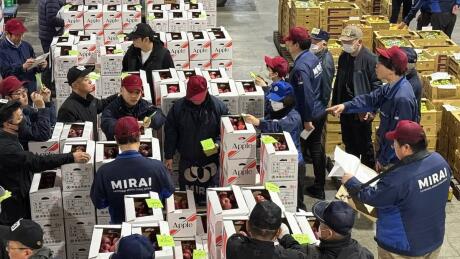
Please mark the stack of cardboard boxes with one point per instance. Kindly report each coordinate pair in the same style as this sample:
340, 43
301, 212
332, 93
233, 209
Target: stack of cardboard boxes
176, 17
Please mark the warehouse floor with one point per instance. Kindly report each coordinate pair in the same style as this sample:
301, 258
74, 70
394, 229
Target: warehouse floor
251, 24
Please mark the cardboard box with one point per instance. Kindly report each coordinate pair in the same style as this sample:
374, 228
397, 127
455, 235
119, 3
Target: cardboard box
106, 151
72, 16
59, 250
278, 165
111, 37
186, 73
87, 49
99, 37
200, 46
93, 17
364, 209
202, 224
255, 194
93, 2
305, 227
209, 5
102, 213
136, 210
227, 64
168, 97
158, 20
103, 220
45, 195
181, 214
237, 171
188, 245
216, 74
288, 194
227, 93
112, 2
63, 89
194, 6
203, 65
160, 35
78, 204
109, 85
77, 132
78, 251
131, 2
112, 17
197, 20
151, 230
182, 65
163, 76
105, 238
156, 5
211, 16
78, 230
177, 43
50, 146
221, 44
252, 98
111, 61
152, 147
53, 231
177, 21
231, 225
237, 144
65, 57
78, 176
289, 219
132, 15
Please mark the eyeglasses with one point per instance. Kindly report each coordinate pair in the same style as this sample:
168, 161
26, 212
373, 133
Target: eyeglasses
20, 93
8, 248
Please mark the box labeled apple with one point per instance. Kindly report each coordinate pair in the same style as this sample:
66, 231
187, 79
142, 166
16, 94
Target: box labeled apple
45, 195
137, 209
111, 37
112, 17
181, 214
221, 44
251, 98
227, 64
87, 49
232, 225
203, 65
72, 16
237, 171
238, 138
50, 146
131, 15
200, 46
93, 17
177, 43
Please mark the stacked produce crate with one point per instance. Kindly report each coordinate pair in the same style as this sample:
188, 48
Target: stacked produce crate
333, 13
304, 14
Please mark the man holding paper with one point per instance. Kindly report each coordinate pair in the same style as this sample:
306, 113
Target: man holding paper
410, 197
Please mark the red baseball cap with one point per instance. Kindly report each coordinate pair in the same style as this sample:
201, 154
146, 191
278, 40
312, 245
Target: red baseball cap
9, 85
15, 26
132, 82
127, 126
297, 34
397, 56
197, 88
407, 131
277, 64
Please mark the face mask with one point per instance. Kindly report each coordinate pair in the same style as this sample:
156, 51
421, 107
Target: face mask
348, 48
276, 106
314, 48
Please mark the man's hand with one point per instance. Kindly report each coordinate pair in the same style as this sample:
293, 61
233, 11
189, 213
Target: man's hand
28, 64
402, 25
169, 164
260, 81
346, 177
37, 99
46, 94
455, 9
308, 126
378, 167
283, 230
336, 110
81, 157
367, 116
43, 64
251, 119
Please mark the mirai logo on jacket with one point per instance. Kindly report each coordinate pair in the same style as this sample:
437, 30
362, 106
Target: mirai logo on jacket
433, 180
131, 183
317, 70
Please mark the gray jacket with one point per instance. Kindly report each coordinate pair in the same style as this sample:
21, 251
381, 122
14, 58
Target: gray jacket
42, 253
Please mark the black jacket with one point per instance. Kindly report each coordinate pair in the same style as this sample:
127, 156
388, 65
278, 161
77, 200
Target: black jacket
239, 247
160, 58
364, 77
347, 248
77, 109
188, 124
47, 20
16, 172
118, 109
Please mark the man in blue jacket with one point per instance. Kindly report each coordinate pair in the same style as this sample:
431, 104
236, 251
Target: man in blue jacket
49, 25
395, 100
412, 75
17, 56
39, 120
130, 103
410, 198
194, 118
305, 77
424, 19
129, 173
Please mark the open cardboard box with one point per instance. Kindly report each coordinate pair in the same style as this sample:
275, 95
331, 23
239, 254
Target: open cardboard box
237, 144
186, 73
170, 92
157, 19
177, 43
77, 131
366, 210
227, 93
105, 238
242, 172
305, 227
199, 46
256, 194
50, 146
181, 214
45, 195
278, 165
231, 225
221, 44
136, 209
184, 247
111, 58
216, 75
151, 230
78, 176
252, 98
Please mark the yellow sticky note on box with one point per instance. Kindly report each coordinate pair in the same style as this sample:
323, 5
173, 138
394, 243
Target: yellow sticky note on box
209, 147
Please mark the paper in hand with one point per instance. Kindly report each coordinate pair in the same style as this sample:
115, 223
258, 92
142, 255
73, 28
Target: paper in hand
306, 133
344, 163
40, 59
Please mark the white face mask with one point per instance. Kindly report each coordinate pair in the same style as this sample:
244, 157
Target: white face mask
276, 106
348, 48
314, 48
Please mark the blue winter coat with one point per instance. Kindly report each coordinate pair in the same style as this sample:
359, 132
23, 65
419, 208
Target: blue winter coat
327, 63
291, 123
117, 109
11, 60
305, 78
414, 80
395, 103
47, 20
410, 203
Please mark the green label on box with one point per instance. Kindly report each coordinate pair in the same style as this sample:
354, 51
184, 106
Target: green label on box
118, 51
124, 74
138, 7
94, 76
268, 140
272, 187
301, 238
202, 15
5, 196
73, 52
199, 254
165, 241
121, 38
208, 144
154, 203
67, 7
151, 17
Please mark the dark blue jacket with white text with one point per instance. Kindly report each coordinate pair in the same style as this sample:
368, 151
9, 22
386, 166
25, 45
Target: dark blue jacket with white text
396, 103
130, 173
410, 203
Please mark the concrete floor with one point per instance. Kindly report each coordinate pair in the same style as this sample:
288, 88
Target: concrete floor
251, 24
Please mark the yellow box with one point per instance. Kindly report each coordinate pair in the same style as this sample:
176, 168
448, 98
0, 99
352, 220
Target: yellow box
339, 9
377, 22
441, 56
333, 127
434, 34
425, 62
429, 114
444, 91
388, 42
333, 136
454, 66
392, 33
429, 43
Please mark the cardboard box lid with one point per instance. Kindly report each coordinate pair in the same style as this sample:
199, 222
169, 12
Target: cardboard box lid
130, 211
270, 148
52, 182
170, 203
251, 201
213, 198
242, 84
98, 231
366, 210
228, 127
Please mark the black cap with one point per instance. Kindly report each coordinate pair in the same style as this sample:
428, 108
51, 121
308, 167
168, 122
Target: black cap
76, 72
411, 55
337, 215
7, 109
25, 231
266, 215
319, 34
141, 30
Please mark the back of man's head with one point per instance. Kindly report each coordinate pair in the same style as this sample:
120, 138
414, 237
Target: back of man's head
336, 215
264, 221
127, 130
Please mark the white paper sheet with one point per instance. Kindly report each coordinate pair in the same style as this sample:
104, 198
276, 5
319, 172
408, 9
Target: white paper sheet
344, 163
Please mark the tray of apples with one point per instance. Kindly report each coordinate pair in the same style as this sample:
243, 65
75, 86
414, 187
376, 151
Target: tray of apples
227, 200
187, 249
249, 87
238, 123
180, 201
109, 240
173, 88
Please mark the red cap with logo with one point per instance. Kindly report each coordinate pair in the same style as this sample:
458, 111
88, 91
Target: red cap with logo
9, 85
297, 34
127, 126
197, 88
397, 56
278, 64
15, 26
407, 131
132, 83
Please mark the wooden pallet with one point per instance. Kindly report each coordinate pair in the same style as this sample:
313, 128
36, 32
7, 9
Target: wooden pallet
283, 52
